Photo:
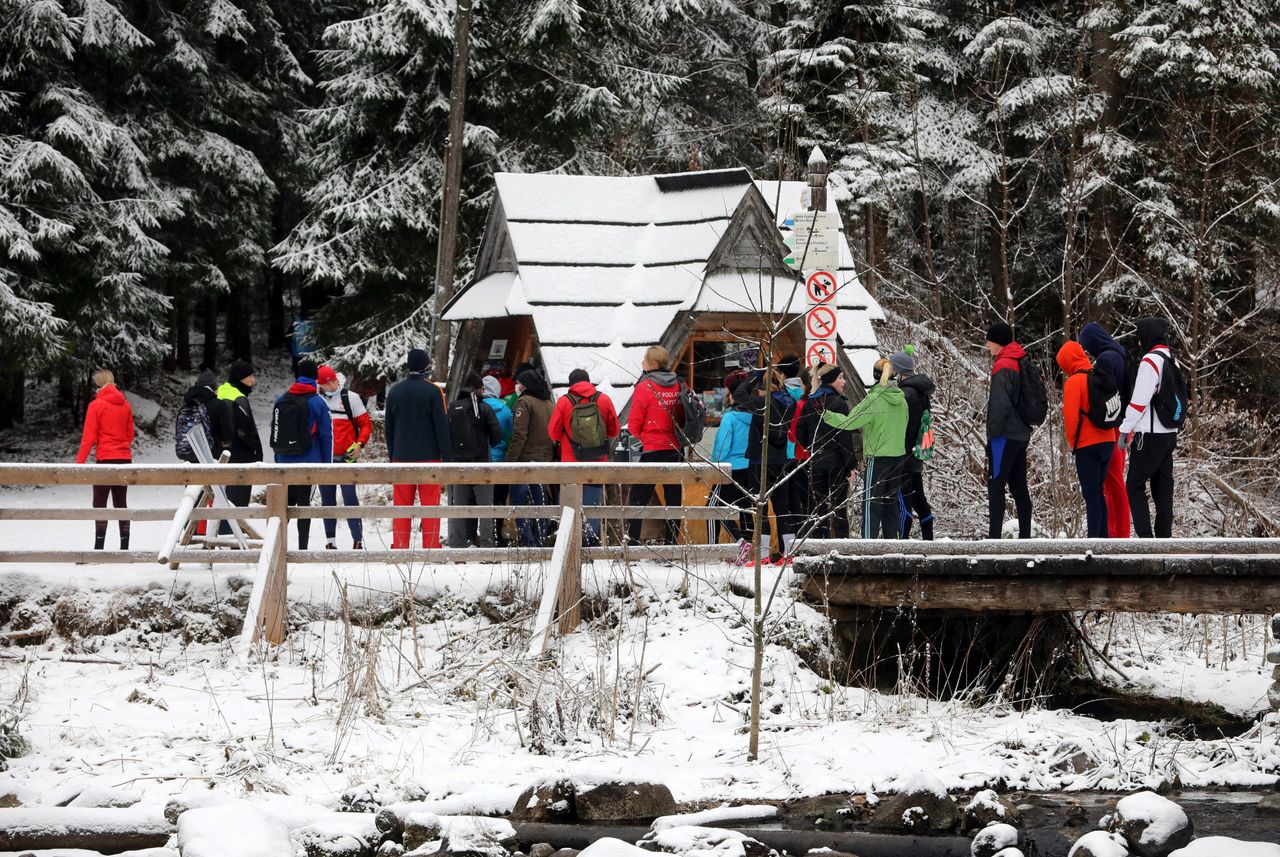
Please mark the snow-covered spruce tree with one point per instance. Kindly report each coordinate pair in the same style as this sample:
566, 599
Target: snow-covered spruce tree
79, 210
588, 87
1199, 133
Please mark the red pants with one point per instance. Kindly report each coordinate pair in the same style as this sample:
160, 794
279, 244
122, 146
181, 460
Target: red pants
1117, 497
405, 495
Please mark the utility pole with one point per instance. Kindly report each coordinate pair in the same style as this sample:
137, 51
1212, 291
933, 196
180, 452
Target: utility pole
447, 247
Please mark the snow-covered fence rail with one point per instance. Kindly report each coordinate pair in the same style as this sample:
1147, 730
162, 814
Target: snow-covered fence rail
1046, 575
265, 618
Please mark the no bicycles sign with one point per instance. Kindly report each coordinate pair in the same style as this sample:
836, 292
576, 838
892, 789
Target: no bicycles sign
820, 352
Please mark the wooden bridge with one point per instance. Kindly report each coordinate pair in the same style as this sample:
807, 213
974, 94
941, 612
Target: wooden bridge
1045, 575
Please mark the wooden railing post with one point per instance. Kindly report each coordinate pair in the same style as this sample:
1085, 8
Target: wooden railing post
265, 616
570, 595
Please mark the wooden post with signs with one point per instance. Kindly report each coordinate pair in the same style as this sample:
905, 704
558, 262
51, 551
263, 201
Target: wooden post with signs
817, 254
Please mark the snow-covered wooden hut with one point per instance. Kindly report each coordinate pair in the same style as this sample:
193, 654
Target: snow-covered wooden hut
588, 271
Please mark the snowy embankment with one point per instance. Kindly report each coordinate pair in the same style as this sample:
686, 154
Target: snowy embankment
436, 699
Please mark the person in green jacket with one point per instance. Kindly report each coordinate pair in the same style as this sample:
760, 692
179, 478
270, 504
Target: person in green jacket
882, 418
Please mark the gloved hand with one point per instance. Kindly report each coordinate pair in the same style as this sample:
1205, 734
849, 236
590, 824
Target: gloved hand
1122, 443
353, 452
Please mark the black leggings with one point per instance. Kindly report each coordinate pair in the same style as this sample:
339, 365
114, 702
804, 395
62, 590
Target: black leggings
300, 495
732, 494
641, 495
1007, 465
914, 504
881, 488
118, 495
828, 497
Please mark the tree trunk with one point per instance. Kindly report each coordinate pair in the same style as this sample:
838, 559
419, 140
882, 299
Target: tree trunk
240, 323
210, 353
275, 283
13, 387
182, 334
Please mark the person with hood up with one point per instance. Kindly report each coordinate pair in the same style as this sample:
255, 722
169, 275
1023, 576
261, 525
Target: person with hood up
1007, 434
655, 412
352, 429
531, 442
1092, 446
316, 441
591, 413
202, 396
108, 434
917, 389
1110, 357
475, 430
417, 431
833, 456
493, 398
881, 416
1151, 441
730, 447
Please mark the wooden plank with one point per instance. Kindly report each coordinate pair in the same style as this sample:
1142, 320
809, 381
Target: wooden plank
110, 557
662, 513
1037, 547
361, 474
1070, 565
552, 586
179, 530
275, 605
46, 513
1183, 594
569, 599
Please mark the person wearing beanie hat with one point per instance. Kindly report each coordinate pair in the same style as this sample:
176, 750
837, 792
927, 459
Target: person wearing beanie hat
832, 454
917, 389
1111, 358
475, 430
730, 448
416, 427
530, 442
352, 429
302, 432
583, 408
1150, 440
1008, 435
246, 443
200, 407
881, 416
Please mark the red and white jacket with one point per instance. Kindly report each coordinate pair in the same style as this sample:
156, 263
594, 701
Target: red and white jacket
1140, 416
344, 432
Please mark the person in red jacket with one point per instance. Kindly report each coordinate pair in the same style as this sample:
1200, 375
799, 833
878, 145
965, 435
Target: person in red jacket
655, 409
587, 407
1092, 446
108, 433
351, 431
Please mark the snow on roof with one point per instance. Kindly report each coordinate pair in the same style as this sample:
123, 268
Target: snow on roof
605, 264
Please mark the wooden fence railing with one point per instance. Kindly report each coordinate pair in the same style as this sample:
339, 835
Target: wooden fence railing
265, 617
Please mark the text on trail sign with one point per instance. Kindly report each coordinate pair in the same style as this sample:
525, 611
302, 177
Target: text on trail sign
820, 352
820, 286
820, 323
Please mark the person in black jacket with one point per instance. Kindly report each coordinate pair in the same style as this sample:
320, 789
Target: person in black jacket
203, 392
475, 429
779, 402
246, 443
417, 430
832, 457
917, 390
1008, 436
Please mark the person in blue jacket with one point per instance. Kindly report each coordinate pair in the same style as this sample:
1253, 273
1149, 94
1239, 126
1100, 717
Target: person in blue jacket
320, 429
731, 447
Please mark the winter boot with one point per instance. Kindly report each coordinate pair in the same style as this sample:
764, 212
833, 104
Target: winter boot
331, 546
357, 546
926, 528
766, 558
744, 553
100, 540
124, 541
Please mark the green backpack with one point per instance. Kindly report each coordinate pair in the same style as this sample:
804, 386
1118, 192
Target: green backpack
923, 449
587, 434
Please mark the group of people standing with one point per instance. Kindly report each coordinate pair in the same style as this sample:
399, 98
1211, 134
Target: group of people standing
1113, 408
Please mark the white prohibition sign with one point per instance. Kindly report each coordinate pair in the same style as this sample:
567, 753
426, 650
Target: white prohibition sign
820, 352
820, 323
820, 286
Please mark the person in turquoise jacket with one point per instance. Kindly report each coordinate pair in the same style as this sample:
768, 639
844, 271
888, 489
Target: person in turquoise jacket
731, 447
882, 418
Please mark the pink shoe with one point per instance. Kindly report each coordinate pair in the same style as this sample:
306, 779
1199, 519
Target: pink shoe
744, 554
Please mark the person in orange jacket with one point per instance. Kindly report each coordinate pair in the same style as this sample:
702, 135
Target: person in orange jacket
1092, 446
108, 434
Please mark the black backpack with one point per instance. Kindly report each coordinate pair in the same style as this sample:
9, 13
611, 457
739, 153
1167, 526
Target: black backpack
1104, 407
1173, 396
469, 428
291, 424
690, 431
1032, 399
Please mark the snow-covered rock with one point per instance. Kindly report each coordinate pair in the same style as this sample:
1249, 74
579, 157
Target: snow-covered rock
692, 841
146, 413
993, 840
237, 829
716, 815
474, 835
987, 807
338, 834
1153, 825
623, 801
921, 806
107, 797
610, 847
1100, 843
1223, 846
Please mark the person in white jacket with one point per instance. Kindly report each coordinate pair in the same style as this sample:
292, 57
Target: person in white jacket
1150, 442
